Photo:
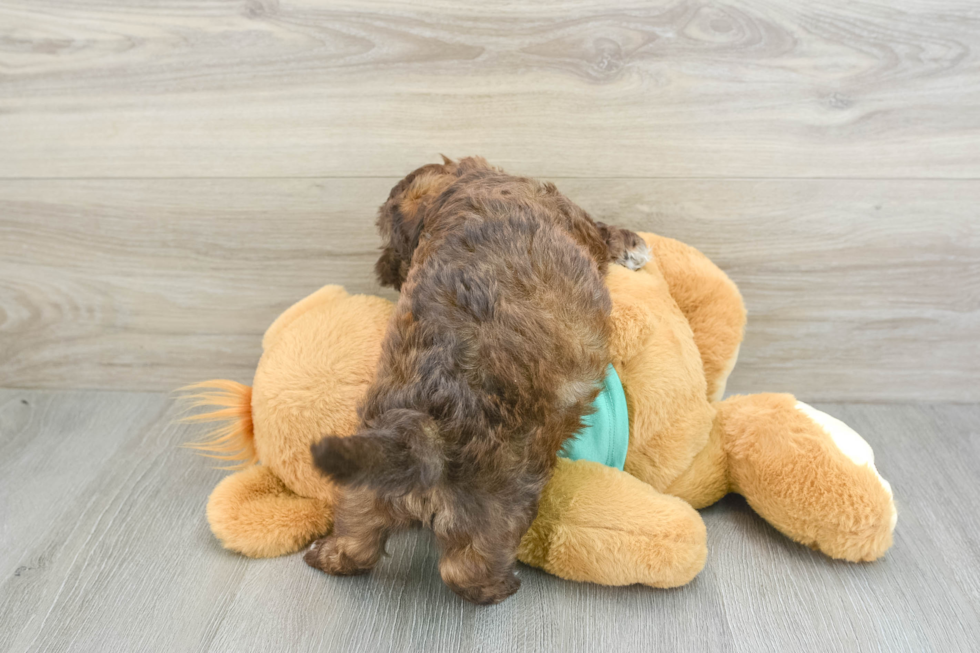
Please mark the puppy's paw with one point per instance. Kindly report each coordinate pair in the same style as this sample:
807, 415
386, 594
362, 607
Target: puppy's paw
326, 554
489, 592
626, 248
636, 256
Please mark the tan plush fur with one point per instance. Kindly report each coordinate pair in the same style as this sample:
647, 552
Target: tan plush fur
254, 513
658, 362
676, 328
711, 303
596, 523
316, 365
801, 483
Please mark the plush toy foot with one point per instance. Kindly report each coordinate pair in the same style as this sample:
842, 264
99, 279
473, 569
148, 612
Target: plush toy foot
808, 474
254, 513
600, 525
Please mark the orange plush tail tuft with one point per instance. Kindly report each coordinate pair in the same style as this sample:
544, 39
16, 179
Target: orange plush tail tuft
230, 402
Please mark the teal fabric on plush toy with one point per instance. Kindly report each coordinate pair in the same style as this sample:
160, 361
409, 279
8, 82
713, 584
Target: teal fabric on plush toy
605, 437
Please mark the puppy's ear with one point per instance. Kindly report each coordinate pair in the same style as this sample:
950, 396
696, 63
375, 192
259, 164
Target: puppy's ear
389, 269
401, 234
446, 161
400, 221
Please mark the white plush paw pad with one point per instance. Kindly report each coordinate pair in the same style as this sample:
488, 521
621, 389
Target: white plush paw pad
849, 442
636, 257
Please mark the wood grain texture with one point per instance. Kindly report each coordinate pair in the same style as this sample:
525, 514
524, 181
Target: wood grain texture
572, 88
93, 535
105, 547
856, 289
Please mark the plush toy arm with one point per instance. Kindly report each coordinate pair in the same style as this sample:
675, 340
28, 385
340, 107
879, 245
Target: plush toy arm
254, 513
709, 300
600, 525
809, 475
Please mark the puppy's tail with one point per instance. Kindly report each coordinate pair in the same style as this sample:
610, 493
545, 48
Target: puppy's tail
403, 452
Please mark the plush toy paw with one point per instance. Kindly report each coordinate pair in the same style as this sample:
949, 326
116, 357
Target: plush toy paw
254, 513
809, 475
598, 524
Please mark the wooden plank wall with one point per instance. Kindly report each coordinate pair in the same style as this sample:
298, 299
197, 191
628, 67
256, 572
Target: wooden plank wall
173, 176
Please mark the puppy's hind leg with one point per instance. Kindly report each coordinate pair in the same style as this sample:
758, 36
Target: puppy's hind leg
361, 529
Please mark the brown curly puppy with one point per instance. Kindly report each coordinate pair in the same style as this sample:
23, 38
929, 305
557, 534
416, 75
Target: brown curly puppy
494, 354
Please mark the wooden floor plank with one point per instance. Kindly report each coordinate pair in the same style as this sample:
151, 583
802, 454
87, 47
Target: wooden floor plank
125, 560
856, 289
323, 88
38, 463
917, 598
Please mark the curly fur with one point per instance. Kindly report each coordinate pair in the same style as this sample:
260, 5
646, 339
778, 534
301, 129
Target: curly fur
494, 354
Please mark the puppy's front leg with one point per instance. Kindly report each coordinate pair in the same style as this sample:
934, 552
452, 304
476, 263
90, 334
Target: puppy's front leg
626, 247
479, 558
477, 570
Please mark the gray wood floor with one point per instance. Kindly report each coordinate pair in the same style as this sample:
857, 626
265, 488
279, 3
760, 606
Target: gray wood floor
104, 547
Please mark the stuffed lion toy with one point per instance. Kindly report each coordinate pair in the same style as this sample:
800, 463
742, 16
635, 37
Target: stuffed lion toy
677, 325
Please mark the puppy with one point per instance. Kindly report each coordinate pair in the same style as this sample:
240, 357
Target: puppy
495, 352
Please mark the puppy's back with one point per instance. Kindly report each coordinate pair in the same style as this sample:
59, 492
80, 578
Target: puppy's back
500, 336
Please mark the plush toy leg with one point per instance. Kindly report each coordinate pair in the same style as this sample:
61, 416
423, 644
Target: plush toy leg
600, 525
254, 513
807, 474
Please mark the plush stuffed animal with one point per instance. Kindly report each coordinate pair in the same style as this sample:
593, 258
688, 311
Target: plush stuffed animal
676, 329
